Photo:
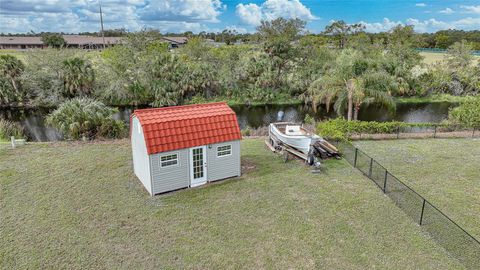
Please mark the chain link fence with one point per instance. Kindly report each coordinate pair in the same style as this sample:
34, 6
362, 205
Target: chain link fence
424, 131
458, 242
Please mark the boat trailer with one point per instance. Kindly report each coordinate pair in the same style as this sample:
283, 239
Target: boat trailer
319, 150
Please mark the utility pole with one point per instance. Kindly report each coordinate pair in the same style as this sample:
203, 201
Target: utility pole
101, 22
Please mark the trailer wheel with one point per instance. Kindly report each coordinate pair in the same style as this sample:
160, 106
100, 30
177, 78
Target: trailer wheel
310, 160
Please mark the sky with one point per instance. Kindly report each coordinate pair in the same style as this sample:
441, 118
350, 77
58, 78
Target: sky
73, 16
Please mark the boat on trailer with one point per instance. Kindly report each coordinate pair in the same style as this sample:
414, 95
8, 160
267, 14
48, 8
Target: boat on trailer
308, 144
293, 135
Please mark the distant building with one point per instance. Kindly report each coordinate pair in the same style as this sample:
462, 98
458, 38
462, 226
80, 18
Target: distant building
175, 42
73, 41
21, 43
90, 42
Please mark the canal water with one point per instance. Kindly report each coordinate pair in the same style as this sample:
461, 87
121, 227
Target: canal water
33, 120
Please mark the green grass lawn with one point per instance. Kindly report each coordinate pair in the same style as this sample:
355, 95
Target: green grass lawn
78, 205
445, 171
434, 57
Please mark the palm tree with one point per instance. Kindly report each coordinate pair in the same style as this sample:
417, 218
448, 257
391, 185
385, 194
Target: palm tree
11, 68
373, 87
349, 84
78, 77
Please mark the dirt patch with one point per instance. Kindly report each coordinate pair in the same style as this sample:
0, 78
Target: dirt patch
248, 166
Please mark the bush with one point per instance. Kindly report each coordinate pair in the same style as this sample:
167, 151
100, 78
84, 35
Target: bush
309, 120
341, 129
84, 117
9, 128
246, 132
467, 114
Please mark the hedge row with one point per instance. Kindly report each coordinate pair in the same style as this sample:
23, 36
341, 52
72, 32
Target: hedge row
342, 129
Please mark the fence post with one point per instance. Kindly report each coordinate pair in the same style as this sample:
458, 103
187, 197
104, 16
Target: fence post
355, 160
435, 132
398, 132
385, 182
13, 142
370, 170
421, 215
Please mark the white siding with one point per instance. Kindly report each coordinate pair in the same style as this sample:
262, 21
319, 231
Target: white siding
224, 166
170, 177
141, 164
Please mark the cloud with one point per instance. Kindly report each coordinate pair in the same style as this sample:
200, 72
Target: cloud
384, 26
430, 25
250, 13
446, 11
433, 25
472, 9
420, 5
253, 14
82, 15
183, 10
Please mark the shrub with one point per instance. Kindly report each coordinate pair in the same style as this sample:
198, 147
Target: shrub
309, 119
341, 129
84, 117
9, 128
467, 114
246, 132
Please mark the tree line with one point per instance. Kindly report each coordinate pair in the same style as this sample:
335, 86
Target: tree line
441, 39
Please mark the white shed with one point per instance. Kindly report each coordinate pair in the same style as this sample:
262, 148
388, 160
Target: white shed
185, 146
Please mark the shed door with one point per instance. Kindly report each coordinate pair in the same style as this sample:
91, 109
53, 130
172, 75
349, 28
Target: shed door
198, 166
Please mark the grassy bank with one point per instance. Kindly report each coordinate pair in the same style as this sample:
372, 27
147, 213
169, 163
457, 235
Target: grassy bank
444, 171
431, 99
73, 205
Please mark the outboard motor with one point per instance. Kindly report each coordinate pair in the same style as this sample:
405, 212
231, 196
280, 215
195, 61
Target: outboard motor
280, 115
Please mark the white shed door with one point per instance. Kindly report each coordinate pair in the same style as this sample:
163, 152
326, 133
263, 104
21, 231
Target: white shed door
198, 166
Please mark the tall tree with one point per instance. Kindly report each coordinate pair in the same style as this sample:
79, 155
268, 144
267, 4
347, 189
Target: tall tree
78, 77
278, 36
460, 55
403, 36
281, 28
340, 30
11, 68
53, 40
351, 82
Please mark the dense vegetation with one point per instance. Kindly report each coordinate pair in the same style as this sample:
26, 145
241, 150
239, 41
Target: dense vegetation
345, 71
86, 118
467, 114
8, 129
439, 40
343, 68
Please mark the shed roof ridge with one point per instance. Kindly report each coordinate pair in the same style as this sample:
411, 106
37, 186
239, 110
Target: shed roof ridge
180, 107
159, 120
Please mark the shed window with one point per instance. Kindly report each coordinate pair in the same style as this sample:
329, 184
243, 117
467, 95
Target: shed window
224, 150
169, 160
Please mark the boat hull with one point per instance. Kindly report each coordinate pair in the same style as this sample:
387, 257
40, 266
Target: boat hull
300, 142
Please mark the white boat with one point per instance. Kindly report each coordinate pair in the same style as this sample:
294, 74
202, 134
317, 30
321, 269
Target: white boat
293, 135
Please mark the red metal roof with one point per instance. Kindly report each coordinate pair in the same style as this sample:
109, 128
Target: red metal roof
171, 128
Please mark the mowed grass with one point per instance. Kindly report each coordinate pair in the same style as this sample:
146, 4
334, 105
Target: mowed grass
78, 205
445, 171
435, 57
18, 54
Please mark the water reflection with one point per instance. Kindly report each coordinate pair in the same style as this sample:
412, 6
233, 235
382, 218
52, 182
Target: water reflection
33, 120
